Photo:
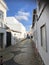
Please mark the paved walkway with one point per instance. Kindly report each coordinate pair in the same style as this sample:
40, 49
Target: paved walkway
25, 54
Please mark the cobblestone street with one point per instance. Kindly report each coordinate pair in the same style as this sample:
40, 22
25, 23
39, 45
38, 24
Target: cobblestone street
25, 54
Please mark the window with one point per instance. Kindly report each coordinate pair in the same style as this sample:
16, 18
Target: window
1, 18
1, 15
43, 37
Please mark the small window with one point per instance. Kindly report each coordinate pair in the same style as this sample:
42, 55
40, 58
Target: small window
1, 15
43, 37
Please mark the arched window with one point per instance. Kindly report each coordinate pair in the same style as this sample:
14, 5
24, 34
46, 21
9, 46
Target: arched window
1, 15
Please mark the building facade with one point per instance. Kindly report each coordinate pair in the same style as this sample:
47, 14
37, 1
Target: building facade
10, 29
42, 30
3, 9
16, 28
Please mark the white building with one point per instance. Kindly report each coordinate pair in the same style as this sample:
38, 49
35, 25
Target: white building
42, 30
3, 9
18, 30
10, 29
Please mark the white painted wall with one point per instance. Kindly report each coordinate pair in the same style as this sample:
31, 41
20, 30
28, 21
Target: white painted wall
23, 31
35, 33
15, 25
44, 19
14, 38
4, 36
3, 8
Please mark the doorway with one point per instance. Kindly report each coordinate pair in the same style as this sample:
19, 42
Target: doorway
8, 39
1, 40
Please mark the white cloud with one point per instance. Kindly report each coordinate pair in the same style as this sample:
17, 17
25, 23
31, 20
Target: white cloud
22, 15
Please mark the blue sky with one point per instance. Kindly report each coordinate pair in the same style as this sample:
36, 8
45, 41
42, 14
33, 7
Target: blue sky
22, 10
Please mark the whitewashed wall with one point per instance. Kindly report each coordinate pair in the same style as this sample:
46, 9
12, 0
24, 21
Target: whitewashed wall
4, 36
14, 37
34, 32
3, 8
44, 19
15, 25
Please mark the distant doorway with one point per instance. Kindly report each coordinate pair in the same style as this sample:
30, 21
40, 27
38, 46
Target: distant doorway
8, 39
1, 40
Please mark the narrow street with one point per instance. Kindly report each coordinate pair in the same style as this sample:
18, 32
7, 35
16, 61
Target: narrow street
24, 54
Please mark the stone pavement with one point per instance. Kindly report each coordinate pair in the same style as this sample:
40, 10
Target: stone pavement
25, 54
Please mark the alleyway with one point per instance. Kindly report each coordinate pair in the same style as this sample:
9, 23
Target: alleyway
24, 54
